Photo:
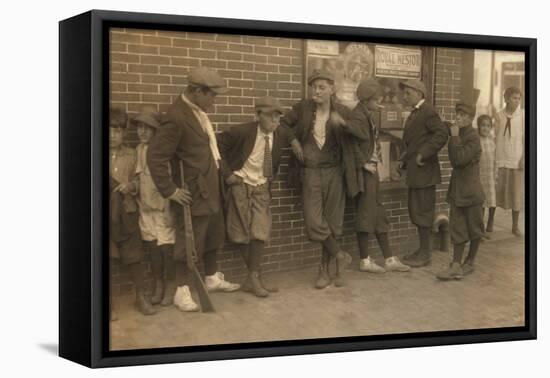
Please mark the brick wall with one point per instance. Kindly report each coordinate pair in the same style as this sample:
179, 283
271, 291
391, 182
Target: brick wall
150, 68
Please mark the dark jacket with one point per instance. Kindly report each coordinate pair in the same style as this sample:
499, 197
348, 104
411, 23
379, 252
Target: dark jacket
181, 137
300, 122
361, 126
426, 134
237, 143
464, 153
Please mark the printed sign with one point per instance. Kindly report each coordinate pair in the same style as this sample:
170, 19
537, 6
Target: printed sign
330, 48
397, 62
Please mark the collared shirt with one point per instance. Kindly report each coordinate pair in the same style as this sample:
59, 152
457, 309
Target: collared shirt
252, 171
206, 125
509, 142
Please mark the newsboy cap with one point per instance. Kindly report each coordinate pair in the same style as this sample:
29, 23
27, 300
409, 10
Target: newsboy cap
117, 117
466, 107
203, 77
368, 88
320, 74
268, 104
148, 116
414, 84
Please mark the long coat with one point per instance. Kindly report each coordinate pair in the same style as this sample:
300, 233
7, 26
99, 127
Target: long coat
424, 134
300, 123
464, 154
181, 137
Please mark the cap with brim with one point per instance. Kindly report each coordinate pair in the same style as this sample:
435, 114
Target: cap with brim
204, 77
117, 117
268, 104
320, 74
465, 107
150, 119
414, 84
367, 89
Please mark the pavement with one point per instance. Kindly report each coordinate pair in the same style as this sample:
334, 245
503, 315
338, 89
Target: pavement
369, 304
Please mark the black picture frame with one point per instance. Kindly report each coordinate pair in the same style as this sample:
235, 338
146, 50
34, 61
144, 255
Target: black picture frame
83, 107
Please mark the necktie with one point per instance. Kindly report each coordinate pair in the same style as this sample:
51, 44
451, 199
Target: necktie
376, 135
508, 127
268, 164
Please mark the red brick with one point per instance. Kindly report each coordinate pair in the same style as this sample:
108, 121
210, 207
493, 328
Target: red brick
240, 48
173, 51
124, 58
155, 79
155, 59
124, 77
213, 45
143, 68
124, 37
229, 55
157, 41
189, 43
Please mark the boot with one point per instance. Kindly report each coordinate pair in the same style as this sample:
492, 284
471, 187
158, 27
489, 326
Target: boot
157, 292
184, 301
169, 292
254, 285
323, 278
453, 272
423, 258
267, 286
143, 305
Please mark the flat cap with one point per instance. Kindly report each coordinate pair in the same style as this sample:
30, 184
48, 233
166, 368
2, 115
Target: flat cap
320, 74
268, 104
368, 88
117, 117
466, 107
148, 116
414, 84
203, 77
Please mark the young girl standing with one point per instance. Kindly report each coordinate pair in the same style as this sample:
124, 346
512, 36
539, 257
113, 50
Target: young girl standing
488, 168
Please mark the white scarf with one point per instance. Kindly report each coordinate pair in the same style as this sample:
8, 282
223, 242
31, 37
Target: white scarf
207, 127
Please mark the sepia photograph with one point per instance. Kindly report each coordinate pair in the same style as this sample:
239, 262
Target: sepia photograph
268, 188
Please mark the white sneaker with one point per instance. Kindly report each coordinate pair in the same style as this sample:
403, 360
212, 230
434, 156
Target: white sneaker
184, 301
216, 282
394, 264
369, 265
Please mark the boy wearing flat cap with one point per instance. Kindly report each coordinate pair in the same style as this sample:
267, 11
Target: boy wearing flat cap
465, 194
125, 240
251, 153
156, 221
186, 139
370, 214
326, 160
424, 135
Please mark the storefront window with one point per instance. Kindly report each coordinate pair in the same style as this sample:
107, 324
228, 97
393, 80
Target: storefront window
351, 62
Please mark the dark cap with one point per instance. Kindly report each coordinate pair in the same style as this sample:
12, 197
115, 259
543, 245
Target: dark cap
320, 74
466, 107
368, 88
414, 84
268, 104
117, 117
148, 116
203, 77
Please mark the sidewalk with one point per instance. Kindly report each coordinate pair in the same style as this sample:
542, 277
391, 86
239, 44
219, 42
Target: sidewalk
369, 304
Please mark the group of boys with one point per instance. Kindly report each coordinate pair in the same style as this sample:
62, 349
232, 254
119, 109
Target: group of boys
227, 180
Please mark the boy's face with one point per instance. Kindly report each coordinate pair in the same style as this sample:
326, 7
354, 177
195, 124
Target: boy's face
269, 121
116, 136
373, 103
513, 101
144, 132
411, 97
463, 119
204, 98
321, 90
485, 128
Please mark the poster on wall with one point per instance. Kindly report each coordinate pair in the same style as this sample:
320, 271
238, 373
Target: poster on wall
398, 62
